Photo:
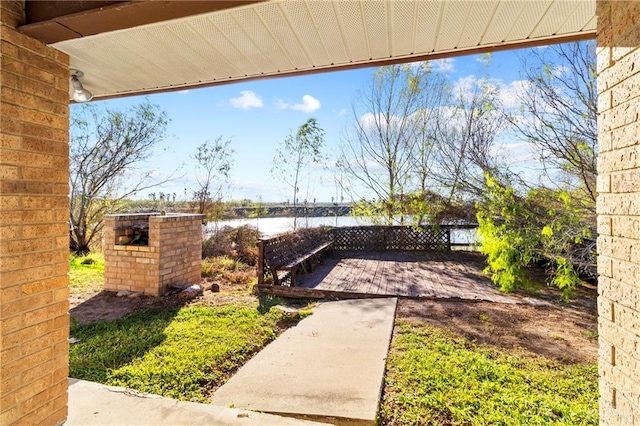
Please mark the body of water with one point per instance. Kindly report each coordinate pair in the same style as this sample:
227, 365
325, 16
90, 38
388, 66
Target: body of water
270, 226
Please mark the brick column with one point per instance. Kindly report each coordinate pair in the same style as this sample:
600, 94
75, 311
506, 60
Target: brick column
618, 209
34, 241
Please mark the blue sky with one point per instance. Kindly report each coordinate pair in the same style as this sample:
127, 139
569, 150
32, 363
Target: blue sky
258, 115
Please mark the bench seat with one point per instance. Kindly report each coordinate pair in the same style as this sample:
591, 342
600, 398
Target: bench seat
290, 253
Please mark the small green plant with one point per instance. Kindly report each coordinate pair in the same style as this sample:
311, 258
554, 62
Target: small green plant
591, 334
302, 314
267, 301
484, 318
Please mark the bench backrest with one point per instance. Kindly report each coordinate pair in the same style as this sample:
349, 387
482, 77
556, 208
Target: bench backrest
285, 248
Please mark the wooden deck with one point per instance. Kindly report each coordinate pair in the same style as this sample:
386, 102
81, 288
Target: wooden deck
434, 275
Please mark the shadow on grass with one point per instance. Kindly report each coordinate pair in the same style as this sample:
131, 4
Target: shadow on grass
268, 301
105, 346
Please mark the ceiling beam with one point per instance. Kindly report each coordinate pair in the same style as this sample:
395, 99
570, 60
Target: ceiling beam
54, 21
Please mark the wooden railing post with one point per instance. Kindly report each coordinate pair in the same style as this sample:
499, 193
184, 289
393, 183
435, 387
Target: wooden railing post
260, 261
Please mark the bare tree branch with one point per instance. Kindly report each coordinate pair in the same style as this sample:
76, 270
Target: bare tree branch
559, 110
389, 145
105, 145
214, 161
295, 155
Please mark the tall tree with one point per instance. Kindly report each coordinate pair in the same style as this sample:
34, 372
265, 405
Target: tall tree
213, 162
465, 148
559, 111
555, 225
105, 146
294, 157
390, 130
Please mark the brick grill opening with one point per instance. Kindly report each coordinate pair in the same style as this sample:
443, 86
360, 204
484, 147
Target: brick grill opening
147, 253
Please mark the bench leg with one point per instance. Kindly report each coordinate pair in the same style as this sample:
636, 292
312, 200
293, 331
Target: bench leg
274, 274
303, 265
292, 276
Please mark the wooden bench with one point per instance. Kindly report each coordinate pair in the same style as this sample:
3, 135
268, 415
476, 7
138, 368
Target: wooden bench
291, 253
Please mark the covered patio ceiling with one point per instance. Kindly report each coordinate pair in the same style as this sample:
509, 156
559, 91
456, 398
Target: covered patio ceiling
149, 46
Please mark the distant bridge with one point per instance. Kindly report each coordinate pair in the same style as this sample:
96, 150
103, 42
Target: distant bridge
324, 210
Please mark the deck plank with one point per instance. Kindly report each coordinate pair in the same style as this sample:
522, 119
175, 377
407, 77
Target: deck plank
447, 275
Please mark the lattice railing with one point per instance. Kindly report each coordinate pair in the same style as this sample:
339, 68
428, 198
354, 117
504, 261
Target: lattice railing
391, 238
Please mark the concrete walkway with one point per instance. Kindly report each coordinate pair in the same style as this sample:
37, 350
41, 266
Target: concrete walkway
329, 367
96, 404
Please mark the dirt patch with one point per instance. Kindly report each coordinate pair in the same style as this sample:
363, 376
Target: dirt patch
563, 332
106, 306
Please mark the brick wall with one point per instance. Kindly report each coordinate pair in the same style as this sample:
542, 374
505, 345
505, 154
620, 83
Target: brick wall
34, 241
172, 257
619, 210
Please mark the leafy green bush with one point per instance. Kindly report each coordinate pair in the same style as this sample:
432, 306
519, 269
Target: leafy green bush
509, 247
517, 231
436, 378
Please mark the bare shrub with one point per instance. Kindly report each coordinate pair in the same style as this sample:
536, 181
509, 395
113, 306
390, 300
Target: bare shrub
236, 243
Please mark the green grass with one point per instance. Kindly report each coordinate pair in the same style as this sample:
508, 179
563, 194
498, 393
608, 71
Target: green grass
434, 377
86, 273
178, 353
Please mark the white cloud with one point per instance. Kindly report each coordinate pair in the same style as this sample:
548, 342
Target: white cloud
280, 104
560, 70
509, 94
247, 100
368, 121
517, 153
438, 65
371, 122
309, 104
443, 65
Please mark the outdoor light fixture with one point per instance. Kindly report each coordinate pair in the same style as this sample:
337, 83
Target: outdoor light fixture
80, 94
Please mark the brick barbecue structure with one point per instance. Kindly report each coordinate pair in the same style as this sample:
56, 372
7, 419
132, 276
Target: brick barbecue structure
147, 253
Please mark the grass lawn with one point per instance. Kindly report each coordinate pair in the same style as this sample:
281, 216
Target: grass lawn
178, 352
183, 353
86, 273
435, 377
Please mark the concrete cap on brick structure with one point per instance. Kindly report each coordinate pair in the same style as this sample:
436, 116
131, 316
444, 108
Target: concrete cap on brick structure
177, 216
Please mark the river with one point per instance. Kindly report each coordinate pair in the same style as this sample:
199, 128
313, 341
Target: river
270, 226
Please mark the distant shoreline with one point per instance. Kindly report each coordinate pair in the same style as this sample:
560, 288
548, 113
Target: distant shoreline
286, 211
